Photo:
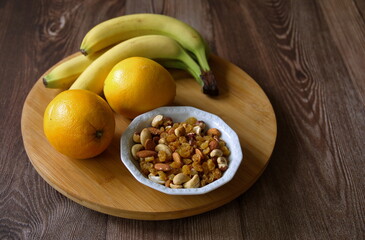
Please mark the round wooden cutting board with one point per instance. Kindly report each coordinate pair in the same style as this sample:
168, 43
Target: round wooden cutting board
105, 185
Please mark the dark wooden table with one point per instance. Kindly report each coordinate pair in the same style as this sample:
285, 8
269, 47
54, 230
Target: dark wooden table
308, 56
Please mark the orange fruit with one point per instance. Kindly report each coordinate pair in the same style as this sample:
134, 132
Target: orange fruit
136, 85
79, 124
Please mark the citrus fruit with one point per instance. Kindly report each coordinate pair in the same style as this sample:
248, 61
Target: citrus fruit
79, 124
136, 85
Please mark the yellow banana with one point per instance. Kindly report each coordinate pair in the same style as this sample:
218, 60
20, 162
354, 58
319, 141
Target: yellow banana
149, 46
65, 74
125, 27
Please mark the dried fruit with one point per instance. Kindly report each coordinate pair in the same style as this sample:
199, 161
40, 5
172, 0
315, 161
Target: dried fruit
184, 157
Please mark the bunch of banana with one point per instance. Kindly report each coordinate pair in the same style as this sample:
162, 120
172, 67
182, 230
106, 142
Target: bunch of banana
149, 46
162, 38
64, 74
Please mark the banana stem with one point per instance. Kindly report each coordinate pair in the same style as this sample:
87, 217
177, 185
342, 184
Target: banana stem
210, 84
206, 79
201, 56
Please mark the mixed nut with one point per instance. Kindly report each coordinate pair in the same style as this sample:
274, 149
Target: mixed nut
180, 155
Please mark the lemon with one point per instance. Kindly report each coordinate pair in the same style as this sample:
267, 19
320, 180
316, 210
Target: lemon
136, 85
79, 124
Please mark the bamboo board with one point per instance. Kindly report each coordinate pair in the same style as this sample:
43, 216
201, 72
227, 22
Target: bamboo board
105, 185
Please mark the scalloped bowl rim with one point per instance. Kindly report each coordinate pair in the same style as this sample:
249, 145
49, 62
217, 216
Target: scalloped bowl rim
178, 114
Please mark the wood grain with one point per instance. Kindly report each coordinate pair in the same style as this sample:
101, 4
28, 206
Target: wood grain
105, 185
308, 56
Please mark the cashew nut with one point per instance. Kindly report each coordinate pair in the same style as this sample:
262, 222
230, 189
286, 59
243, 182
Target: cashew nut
201, 124
162, 140
145, 134
180, 131
197, 130
180, 178
216, 153
156, 179
136, 138
175, 186
222, 163
136, 148
165, 148
157, 121
193, 183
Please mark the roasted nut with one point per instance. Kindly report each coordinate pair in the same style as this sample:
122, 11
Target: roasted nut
146, 153
193, 183
136, 137
165, 148
216, 153
193, 171
156, 179
145, 135
157, 121
154, 131
190, 136
162, 167
162, 141
149, 144
213, 132
136, 148
180, 131
201, 124
167, 121
175, 186
171, 130
156, 139
214, 144
180, 178
180, 154
168, 182
197, 130
222, 163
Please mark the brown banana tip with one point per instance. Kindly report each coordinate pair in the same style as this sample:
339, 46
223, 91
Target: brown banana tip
210, 86
83, 51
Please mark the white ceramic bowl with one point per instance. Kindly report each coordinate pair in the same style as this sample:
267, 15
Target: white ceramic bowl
179, 114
